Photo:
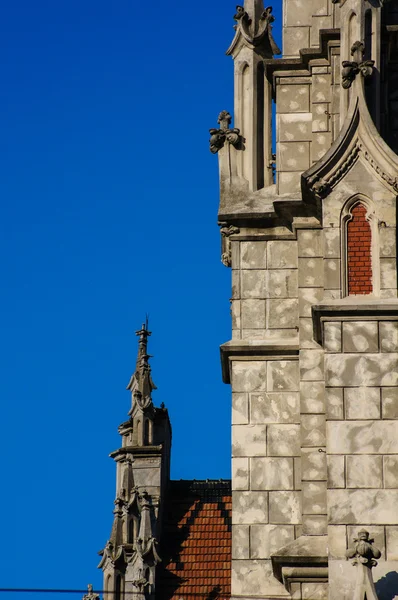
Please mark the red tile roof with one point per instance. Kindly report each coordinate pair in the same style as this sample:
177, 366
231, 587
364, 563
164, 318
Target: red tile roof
196, 541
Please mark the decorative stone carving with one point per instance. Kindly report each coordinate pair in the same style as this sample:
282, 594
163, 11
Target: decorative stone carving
226, 232
90, 594
255, 32
364, 554
320, 187
352, 68
224, 134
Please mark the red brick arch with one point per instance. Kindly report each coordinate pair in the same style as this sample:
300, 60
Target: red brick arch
359, 252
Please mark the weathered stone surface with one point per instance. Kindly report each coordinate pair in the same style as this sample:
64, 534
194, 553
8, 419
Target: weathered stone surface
297, 473
361, 370
336, 471
253, 255
281, 407
283, 440
314, 498
337, 541
236, 285
283, 376
362, 437
364, 471
253, 314
313, 431
310, 243
332, 336
249, 508
313, 464
253, 284
388, 336
240, 541
282, 255
235, 314
281, 283
249, 376
392, 542
267, 539
334, 403
362, 403
312, 397
314, 524
351, 507
389, 397
332, 279
360, 337
391, 472
246, 575
295, 127
285, 507
308, 297
315, 591
306, 332
282, 314
310, 272
298, 12
249, 440
312, 365
388, 273
271, 474
295, 39
240, 474
240, 409
293, 99
331, 242
388, 241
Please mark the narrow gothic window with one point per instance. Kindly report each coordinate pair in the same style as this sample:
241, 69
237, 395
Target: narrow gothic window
118, 587
147, 439
359, 252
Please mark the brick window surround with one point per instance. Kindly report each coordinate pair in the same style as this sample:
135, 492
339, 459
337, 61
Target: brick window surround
359, 252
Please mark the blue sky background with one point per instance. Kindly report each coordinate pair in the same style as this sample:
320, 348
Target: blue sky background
109, 211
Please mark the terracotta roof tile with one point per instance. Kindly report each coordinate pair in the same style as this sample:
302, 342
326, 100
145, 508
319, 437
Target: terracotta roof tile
196, 542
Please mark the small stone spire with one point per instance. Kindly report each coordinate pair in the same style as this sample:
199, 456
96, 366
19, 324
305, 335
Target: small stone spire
254, 8
90, 594
141, 384
363, 555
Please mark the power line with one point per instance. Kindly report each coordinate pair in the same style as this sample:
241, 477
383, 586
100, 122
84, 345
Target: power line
182, 595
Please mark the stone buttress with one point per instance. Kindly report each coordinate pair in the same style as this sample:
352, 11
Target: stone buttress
131, 555
308, 226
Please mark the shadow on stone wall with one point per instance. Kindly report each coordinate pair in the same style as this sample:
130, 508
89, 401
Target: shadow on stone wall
387, 586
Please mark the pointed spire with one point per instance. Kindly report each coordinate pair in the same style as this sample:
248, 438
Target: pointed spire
141, 384
254, 8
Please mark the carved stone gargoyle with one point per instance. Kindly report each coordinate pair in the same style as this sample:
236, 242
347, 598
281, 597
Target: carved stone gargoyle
224, 134
364, 554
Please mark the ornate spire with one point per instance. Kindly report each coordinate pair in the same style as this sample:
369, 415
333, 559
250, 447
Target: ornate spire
254, 27
141, 384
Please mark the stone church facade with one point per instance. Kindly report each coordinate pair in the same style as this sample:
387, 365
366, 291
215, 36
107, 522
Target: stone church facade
309, 233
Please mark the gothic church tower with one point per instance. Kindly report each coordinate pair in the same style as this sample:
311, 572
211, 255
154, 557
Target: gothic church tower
309, 231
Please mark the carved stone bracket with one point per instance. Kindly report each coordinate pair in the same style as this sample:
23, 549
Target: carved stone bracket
363, 555
352, 68
224, 134
226, 232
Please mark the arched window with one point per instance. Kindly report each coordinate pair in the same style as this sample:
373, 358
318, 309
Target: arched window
359, 269
118, 587
147, 438
132, 530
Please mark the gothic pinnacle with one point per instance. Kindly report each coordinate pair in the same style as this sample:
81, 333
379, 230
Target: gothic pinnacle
141, 384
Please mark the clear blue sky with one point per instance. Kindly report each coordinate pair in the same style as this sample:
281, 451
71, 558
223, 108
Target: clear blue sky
109, 211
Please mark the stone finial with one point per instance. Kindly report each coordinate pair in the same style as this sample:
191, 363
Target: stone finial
363, 555
141, 384
254, 26
90, 594
224, 133
352, 68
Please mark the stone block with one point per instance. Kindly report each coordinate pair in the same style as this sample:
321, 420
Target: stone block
253, 283
282, 254
253, 255
353, 370
310, 243
334, 403
388, 241
315, 524
249, 440
332, 242
253, 314
249, 376
293, 99
312, 397
288, 182
362, 403
294, 39
362, 437
318, 23
312, 365
310, 272
391, 472
349, 507
295, 127
240, 409
336, 472
235, 255
389, 401
313, 431
265, 540
249, 508
360, 336
235, 314
297, 13
285, 507
293, 156
281, 283
388, 273
297, 473
320, 123
283, 376
314, 498
332, 336
388, 331
236, 285
240, 541
320, 145
248, 575
364, 471
306, 333
337, 541
392, 542
308, 297
313, 465
283, 440
281, 407
271, 474
314, 591
332, 274
240, 474
321, 92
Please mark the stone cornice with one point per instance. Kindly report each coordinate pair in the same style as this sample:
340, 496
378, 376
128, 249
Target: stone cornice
251, 350
140, 451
